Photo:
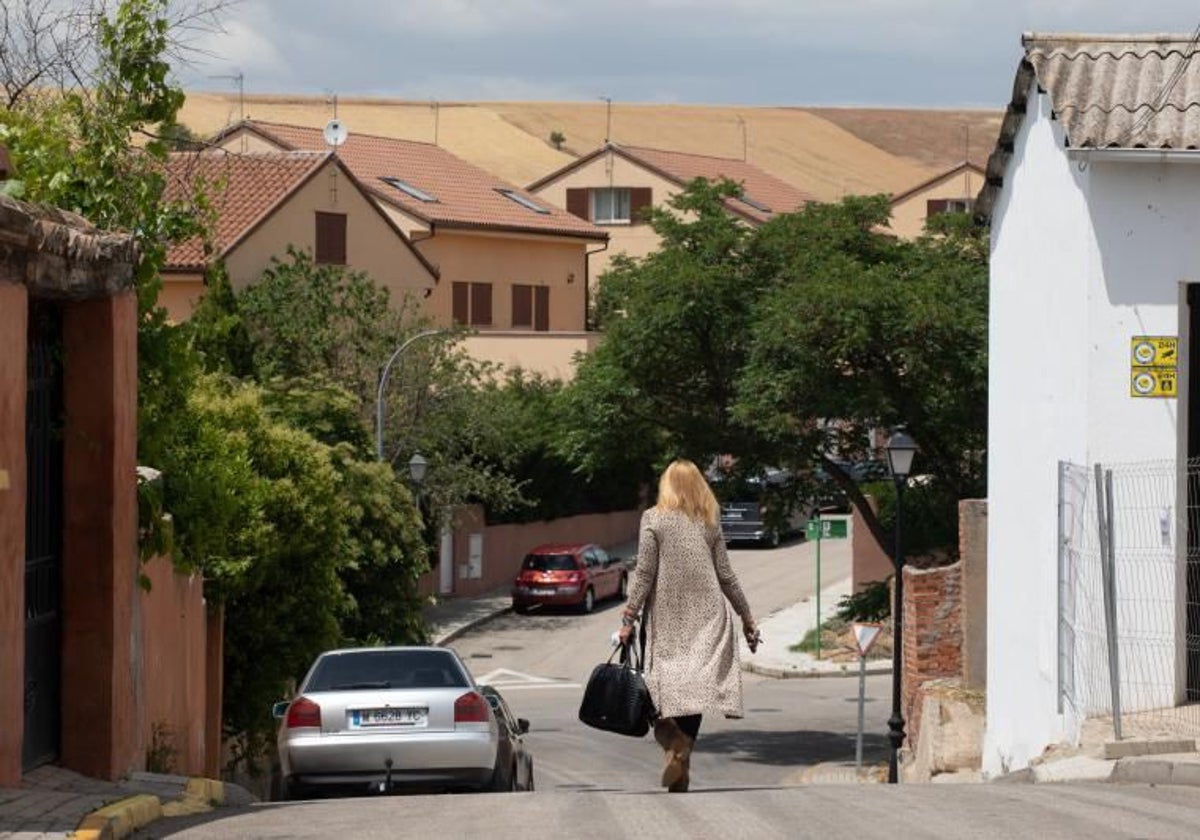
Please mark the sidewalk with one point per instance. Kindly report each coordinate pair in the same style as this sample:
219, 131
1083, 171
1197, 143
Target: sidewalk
786, 627
1131, 761
54, 802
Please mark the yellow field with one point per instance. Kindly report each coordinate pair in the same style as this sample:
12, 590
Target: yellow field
828, 153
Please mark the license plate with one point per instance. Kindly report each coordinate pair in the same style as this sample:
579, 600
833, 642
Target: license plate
388, 717
541, 591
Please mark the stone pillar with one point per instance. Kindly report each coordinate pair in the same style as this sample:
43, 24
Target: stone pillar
14, 315
972, 548
100, 562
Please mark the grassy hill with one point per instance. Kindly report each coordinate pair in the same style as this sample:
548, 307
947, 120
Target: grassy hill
828, 152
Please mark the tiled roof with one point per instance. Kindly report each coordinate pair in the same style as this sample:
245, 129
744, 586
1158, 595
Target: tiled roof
1109, 91
251, 185
769, 192
965, 166
466, 196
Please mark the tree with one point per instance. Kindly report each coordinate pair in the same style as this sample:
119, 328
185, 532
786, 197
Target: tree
557, 138
862, 331
677, 326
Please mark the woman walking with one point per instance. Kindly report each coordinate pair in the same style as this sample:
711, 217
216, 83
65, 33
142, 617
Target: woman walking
682, 581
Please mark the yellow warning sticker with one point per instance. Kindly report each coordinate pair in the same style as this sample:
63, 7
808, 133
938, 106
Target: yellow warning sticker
1154, 351
1152, 382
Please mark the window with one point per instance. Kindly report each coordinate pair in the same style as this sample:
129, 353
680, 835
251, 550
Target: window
610, 206
531, 307
472, 304
331, 239
527, 203
937, 206
408, 189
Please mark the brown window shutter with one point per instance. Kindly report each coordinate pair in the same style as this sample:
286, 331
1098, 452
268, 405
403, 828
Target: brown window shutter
331, 239
481, 304
522, 306
639, 202
462, 303
934, 206
541, 311
577, 203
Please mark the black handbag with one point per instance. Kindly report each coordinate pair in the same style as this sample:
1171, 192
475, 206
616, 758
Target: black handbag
616, 698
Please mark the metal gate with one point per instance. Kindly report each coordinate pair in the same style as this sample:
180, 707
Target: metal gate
43, 536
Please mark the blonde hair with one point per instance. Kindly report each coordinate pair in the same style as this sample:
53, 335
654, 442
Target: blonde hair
683, 488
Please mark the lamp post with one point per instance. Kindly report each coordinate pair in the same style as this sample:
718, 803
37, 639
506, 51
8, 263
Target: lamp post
900, 452
383, 378
417, 465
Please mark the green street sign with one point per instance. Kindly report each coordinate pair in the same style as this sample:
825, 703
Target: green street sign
826, 529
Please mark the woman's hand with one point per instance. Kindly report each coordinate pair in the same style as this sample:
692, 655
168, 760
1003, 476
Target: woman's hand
750, 631
624, 633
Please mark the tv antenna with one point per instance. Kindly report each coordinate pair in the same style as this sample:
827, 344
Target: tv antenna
240, 78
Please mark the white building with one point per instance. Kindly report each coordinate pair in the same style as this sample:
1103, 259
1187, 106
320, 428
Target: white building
1093, 193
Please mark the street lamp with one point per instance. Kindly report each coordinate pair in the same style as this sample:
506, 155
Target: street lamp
383, 378
900, 451
417, 465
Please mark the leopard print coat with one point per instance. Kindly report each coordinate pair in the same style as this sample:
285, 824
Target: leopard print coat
682, 580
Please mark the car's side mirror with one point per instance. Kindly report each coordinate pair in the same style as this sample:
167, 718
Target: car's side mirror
279, 710
522, 725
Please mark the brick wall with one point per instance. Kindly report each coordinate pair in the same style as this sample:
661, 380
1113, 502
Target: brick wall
933, 634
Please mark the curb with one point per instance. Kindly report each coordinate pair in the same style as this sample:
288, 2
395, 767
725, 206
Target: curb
1156, 771
120, 819
473, 624
790, 674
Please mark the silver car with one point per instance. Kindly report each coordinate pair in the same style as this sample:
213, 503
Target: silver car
386, 718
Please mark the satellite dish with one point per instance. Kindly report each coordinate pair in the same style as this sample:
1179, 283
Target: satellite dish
335, 132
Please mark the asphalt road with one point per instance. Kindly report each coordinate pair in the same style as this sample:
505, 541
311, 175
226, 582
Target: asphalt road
748, 774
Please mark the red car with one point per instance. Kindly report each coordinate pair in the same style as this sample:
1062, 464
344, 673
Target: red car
569, 574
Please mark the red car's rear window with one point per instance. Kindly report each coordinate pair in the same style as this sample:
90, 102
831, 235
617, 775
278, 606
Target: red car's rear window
550, 563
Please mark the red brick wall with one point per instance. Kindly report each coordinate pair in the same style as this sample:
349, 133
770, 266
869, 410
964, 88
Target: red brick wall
505, 546
933, 634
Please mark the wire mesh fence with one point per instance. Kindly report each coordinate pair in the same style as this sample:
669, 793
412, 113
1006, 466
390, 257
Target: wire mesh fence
1129, 597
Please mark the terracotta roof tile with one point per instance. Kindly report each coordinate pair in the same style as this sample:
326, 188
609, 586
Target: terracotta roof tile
465, 196
771, 194
252, 186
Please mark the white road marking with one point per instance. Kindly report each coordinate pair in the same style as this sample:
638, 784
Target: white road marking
504, 678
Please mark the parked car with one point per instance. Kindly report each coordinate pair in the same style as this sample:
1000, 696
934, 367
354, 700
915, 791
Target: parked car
763, 509
514, 764
570, 574
387, 718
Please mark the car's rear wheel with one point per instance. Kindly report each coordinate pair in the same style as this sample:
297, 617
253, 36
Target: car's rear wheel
772, 540
589, 600
520, 609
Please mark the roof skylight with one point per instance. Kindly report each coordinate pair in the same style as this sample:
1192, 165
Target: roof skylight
513, 195
757, 205
408, 189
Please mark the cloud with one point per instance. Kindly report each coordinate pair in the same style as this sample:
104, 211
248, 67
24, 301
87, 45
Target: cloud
943, 52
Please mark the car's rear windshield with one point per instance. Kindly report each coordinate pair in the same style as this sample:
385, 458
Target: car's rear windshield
550, 562
381, 669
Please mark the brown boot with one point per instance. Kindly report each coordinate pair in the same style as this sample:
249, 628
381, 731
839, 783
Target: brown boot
678, 749
681, 784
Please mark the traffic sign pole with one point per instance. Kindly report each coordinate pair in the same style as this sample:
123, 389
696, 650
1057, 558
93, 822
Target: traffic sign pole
819, 529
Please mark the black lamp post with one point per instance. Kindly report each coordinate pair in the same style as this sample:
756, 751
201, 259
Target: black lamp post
900, 452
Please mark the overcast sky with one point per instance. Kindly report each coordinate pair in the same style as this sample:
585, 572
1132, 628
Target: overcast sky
938, 53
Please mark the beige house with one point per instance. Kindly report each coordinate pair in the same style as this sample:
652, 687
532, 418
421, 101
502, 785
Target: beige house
511, 266
265, 201
952, 191
612, 186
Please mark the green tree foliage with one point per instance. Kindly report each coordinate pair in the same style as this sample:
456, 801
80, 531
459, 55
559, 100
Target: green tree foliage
787, 344
864, 331
677, 329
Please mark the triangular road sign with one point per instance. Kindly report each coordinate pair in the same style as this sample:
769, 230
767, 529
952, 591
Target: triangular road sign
865, 635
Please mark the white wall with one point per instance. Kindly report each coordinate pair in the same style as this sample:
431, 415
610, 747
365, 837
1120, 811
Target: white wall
1083, 258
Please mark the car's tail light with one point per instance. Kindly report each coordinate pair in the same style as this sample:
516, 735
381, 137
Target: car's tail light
303, 712
471, 708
